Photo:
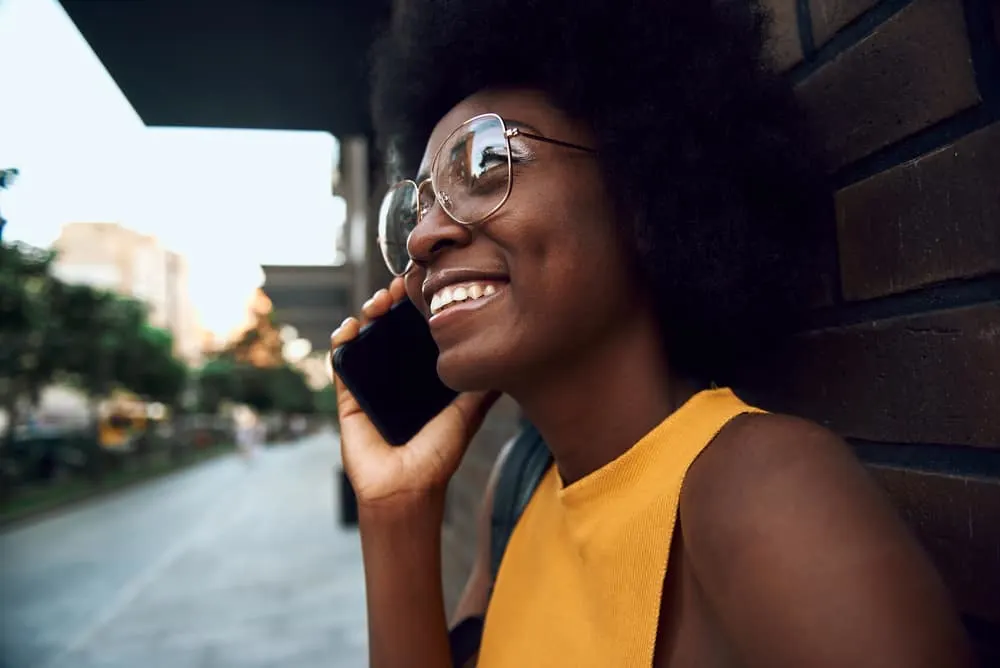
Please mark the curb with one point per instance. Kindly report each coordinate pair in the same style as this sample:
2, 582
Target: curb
30, 515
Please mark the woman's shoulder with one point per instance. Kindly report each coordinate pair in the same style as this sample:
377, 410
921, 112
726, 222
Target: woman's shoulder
757, 447
763, 467
786, 530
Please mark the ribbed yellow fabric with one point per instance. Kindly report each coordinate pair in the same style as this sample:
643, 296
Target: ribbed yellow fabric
581, 580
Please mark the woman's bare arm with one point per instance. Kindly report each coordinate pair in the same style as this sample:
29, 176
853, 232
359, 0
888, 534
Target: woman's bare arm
402, 553
401, 546
804, 560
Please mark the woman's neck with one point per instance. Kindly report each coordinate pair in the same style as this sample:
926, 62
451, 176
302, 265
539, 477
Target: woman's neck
596, 408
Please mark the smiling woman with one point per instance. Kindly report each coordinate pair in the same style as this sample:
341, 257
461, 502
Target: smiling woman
646, 227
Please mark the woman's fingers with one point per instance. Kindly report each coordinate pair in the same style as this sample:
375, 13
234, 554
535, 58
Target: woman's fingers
346, 404
397, 289
355, 427
378, 305
347, 331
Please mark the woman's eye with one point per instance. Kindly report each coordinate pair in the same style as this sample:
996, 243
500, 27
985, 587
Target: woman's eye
491, 157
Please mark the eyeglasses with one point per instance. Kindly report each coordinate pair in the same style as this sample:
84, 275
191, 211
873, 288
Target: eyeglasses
471, 177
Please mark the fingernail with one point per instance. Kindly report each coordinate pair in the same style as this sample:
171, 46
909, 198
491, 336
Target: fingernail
374, 297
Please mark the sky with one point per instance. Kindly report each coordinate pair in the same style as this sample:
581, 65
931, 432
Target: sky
228, 200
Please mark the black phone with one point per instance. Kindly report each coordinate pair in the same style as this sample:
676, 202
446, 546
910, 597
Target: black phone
391, 369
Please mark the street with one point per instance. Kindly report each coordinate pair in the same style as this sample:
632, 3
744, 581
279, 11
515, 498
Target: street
222, 565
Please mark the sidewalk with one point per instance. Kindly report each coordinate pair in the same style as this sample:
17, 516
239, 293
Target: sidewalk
260, 576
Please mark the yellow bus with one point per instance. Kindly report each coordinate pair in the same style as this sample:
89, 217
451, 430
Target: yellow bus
124, 417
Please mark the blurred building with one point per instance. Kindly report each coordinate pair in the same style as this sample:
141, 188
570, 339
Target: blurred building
312, 299
315, 299
115, 258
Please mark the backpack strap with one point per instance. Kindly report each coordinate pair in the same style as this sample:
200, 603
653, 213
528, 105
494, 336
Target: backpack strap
528, 460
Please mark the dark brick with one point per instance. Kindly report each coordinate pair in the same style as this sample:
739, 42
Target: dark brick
913, 71
784, 45
996, 24
929, 220
957, 518
829, 16
932, 378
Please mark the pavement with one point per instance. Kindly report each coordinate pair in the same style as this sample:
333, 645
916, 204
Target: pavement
223, 565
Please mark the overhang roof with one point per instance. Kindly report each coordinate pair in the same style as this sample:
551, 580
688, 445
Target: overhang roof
289, 64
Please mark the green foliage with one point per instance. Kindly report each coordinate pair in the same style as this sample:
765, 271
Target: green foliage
281, 389
101, 341
97, 339
25, 284
291, 391
151, 368
217, 382
325, 401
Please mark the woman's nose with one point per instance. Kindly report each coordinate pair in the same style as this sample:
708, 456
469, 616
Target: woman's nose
435, 232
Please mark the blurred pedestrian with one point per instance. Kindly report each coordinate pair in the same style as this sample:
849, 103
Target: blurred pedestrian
248, 436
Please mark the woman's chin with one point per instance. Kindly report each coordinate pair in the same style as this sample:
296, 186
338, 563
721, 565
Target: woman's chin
469, 374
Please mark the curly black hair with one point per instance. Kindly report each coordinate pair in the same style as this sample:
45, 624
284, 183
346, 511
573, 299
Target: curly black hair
704, 151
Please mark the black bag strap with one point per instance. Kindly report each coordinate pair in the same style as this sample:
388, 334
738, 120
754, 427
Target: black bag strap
527, 461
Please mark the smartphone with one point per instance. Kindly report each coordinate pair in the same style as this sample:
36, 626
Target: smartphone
391, 369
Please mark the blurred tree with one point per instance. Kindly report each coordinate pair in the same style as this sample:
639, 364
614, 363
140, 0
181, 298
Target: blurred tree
98, 332
104, 341
257, 388
25, 327
325, 401
282, 389
218, 381
262, 379
291, 391
148, 366
260, 345
50, 330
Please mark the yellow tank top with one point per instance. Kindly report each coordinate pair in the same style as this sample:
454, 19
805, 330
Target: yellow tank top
581, 580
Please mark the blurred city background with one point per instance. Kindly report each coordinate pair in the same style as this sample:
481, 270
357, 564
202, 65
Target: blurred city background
185, 208
187, 198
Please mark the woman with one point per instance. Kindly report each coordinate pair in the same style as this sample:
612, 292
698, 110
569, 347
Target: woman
610, 216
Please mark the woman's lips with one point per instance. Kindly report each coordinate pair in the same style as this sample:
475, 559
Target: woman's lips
456, 308
460, 293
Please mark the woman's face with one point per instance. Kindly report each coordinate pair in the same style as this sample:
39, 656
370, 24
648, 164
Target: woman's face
539, 283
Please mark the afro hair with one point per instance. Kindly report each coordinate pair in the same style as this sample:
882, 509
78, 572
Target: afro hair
718, 187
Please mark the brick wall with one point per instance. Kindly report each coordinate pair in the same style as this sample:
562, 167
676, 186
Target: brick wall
903, 359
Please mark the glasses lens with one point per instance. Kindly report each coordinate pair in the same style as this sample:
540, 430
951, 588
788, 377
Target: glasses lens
471, 174
396, 219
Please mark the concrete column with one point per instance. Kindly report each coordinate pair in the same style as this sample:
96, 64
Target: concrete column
354, 187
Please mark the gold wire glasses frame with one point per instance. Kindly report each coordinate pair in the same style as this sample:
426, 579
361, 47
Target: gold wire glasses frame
443, 199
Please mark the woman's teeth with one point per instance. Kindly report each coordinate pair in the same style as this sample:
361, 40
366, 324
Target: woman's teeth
461, 292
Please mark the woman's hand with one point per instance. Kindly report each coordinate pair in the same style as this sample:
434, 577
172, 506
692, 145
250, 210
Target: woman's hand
382, 474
